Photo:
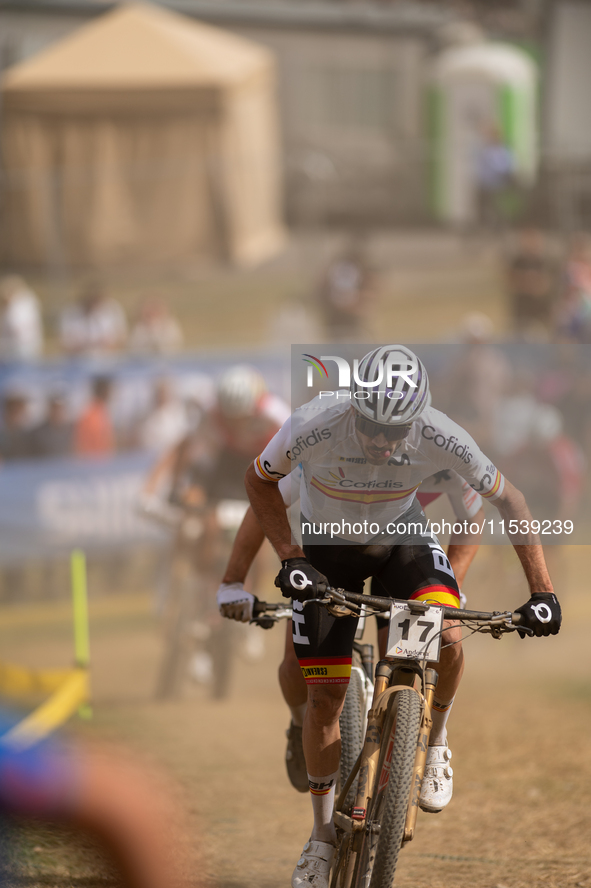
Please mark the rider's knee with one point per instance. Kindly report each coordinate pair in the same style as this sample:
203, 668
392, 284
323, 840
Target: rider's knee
452, 634
325, 702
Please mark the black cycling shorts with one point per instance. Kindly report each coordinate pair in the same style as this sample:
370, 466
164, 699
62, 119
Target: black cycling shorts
416, 568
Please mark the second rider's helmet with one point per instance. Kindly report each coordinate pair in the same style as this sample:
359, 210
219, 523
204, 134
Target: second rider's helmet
401, 389
239, 391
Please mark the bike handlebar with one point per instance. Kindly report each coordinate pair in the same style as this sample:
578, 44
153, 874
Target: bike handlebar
504, 620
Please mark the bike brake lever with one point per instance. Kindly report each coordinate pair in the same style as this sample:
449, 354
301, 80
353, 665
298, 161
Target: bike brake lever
266, 622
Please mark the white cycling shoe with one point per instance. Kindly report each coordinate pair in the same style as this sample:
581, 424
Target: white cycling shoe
438, 785
313, 867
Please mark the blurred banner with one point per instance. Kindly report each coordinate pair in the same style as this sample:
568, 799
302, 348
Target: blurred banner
53, 506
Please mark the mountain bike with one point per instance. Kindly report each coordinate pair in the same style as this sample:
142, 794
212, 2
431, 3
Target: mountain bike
376, 809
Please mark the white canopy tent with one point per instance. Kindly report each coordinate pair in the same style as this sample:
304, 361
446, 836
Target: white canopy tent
142, 137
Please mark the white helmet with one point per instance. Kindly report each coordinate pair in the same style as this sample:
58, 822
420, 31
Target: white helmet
239, 391
396, 389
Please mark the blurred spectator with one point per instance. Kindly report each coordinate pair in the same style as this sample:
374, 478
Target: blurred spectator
532, 277
576, 409
93, 431
546, 465
95, 325
346, 294
493, 178
166, 422
21, 334
155, 331
573, 315
15, 434
477, 379
54, 436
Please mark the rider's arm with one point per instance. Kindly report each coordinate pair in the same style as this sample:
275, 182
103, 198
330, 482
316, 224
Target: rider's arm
463, 548
249, 539
247, 543
512, 506
269, 508
483, 476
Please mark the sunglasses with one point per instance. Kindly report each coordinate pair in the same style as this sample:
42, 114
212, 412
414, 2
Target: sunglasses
374, 429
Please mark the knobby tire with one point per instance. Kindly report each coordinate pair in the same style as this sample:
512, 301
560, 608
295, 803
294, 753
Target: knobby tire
379, 855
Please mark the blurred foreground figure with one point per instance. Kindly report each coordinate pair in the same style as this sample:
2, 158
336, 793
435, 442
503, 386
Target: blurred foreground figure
101, 792
21, 334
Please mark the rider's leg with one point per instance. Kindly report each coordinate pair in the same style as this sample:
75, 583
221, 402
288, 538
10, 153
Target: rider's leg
322, 748
323, 645
450, 669
295, 693
291, 681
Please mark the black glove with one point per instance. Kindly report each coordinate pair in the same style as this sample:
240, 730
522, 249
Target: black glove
298, 579
541, 614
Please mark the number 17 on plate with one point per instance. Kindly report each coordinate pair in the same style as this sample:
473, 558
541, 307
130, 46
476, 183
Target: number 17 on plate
415, 636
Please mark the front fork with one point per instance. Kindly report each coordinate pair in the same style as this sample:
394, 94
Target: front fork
392, 677
431, 678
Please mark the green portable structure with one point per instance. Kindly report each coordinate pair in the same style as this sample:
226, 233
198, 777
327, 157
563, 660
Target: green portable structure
471, 87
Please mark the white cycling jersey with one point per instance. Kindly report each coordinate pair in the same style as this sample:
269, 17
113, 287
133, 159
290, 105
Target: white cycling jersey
465, 502
337, 482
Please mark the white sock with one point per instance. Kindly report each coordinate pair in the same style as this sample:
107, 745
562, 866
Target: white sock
298, 713
440, 714
322, 793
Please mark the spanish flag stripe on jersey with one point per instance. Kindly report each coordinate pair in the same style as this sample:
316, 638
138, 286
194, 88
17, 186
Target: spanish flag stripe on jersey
326, 670
366, 497
262, 472
437, 594
495, 486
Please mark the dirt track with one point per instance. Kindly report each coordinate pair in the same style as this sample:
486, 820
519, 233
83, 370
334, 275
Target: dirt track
520, 735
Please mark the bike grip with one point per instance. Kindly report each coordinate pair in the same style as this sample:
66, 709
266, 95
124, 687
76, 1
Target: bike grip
258, 607
517, 619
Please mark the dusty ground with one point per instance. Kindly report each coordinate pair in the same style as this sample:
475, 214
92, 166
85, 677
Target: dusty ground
520, 734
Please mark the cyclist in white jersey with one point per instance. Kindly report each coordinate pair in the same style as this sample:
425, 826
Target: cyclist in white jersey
360, 520
235, 602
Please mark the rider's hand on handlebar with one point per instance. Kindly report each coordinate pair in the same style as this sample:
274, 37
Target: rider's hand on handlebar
298, 579
235, 602
541, 614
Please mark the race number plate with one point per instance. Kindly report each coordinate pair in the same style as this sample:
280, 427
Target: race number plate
415, 636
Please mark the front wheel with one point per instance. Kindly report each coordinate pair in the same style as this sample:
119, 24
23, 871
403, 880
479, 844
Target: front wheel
391, 793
